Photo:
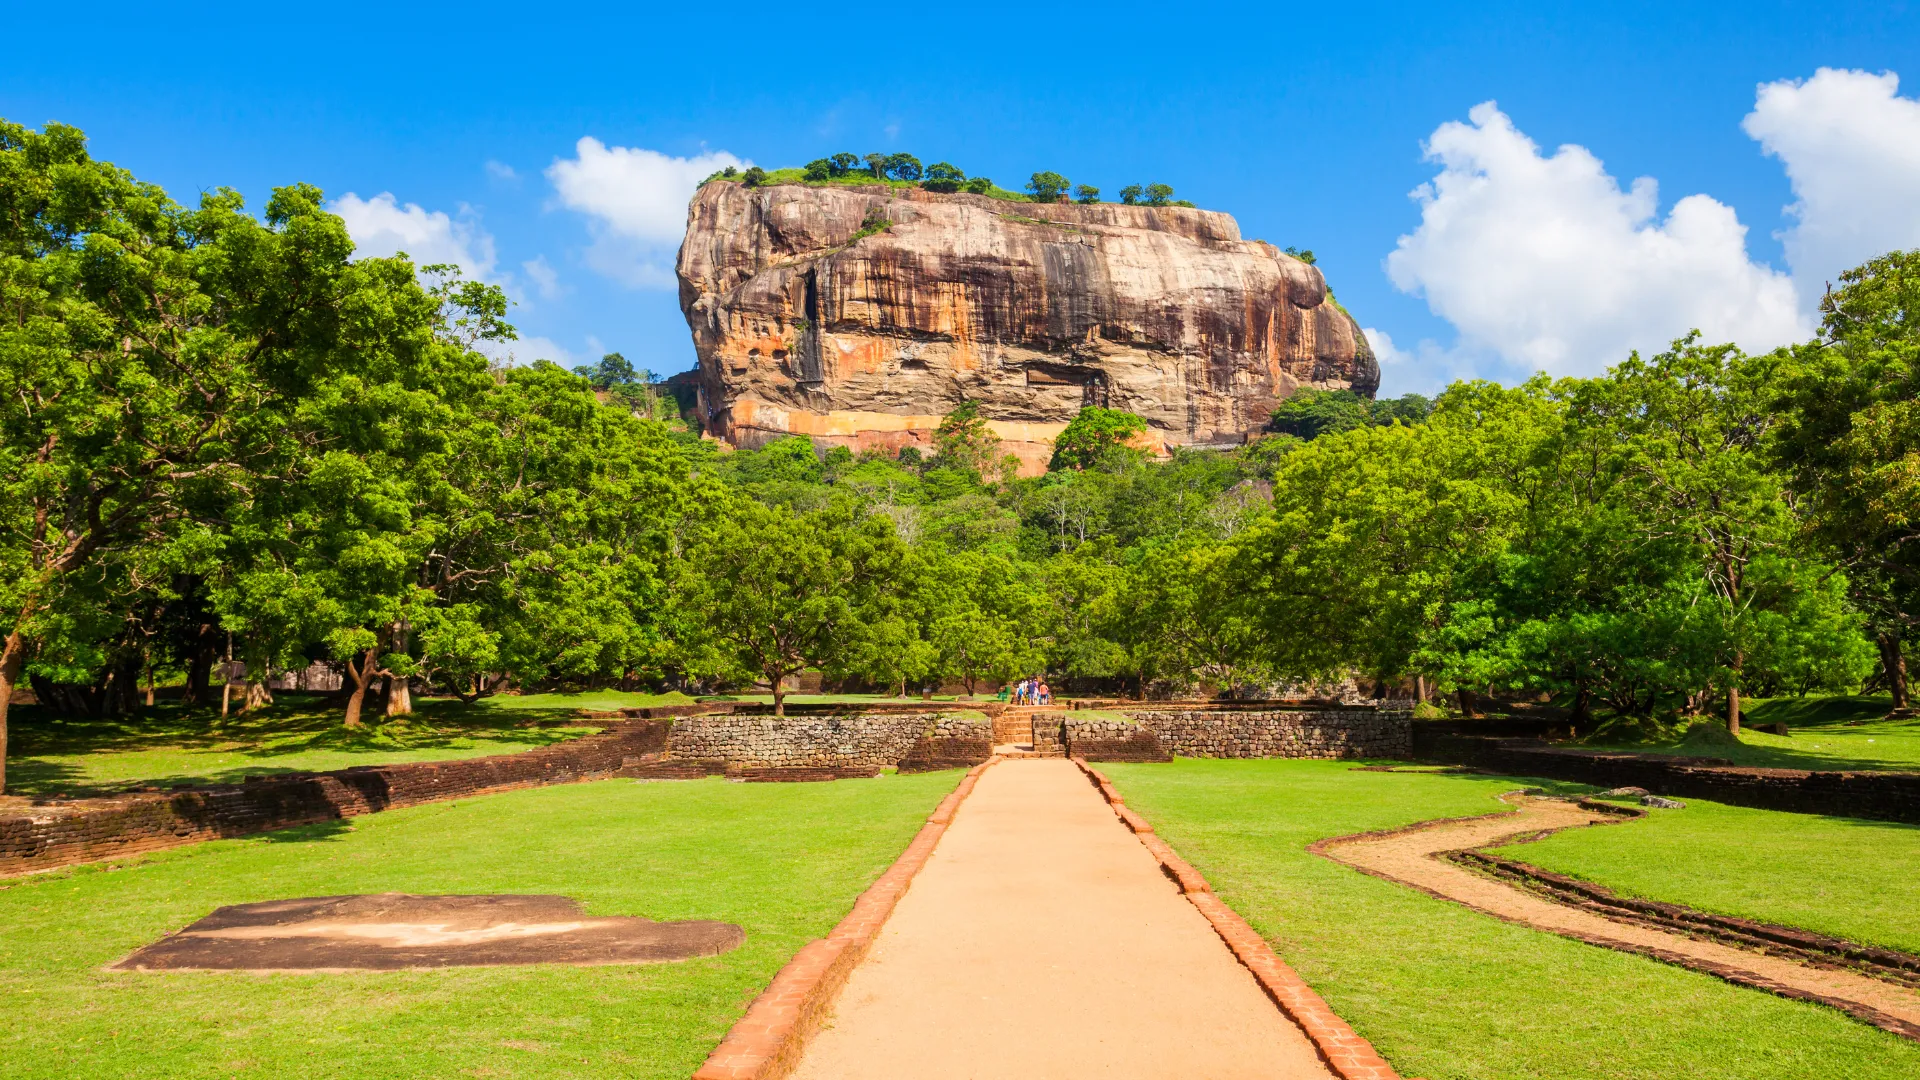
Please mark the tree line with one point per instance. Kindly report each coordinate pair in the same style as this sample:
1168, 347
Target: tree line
224, 436
942, 176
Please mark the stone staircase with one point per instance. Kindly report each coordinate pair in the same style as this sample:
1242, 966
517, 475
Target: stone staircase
1014, 727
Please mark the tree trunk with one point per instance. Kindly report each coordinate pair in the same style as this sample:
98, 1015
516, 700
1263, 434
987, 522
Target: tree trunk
1582, 705
1420, 688
779, 695
1733, 696
1894, 663
258, 696
12, 661
149, 685
399, 687
361, 677
200, 675
1465, 697
399, 695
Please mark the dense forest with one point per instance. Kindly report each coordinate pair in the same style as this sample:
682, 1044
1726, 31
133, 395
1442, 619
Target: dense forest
225, 436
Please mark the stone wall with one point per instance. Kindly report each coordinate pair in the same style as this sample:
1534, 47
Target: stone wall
59, 834
953, 742
1355, 731
1884, 796
866, 742
1111, 740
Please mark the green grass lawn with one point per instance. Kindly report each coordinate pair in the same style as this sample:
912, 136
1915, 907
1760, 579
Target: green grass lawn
784, 861
172, 745
1841, 876
1449, 994
1823, 737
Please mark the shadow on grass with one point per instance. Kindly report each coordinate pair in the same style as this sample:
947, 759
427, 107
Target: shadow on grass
272, 740
318, 832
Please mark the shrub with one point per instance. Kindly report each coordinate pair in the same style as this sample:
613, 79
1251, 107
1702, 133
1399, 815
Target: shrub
754, 176
1086, 194
1305, 255
727, 173
818, 171
979, 185
1047, 186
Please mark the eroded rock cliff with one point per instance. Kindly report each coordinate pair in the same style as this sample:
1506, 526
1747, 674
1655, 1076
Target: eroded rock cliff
861, 316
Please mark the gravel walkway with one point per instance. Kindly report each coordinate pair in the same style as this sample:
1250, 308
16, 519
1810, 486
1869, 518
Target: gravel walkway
1042, 940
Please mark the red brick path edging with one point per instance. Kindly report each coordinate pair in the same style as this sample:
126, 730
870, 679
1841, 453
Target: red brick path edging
1346, 1053
767, 1042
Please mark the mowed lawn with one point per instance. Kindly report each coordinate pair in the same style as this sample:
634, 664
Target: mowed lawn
784, 861
1842, 876
1449, 994
1834, 733
171, 745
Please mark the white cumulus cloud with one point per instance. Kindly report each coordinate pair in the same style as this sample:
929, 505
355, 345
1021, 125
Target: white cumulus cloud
1545, 263
546, 280
380, 227
636, 204
1851, 147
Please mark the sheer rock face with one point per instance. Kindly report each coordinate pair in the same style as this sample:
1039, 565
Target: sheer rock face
861, 316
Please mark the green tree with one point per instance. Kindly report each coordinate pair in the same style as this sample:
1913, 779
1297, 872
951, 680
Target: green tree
1086, 194
612, 371
964, 441
1159, 195
818, 171
979, 185
773, 593
1046, 187
903, 167
1308, 413
943, 177
1850, 440
842, 164
877, 165
754, 176
1132, 194
159, 361
988, 619
1093, 434
1305, 255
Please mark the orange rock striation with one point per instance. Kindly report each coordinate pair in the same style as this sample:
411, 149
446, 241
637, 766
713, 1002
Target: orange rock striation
859, 316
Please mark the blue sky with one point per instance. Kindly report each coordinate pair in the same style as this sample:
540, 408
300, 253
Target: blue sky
1307, 122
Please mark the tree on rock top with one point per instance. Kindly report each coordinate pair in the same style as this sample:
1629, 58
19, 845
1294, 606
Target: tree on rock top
1047, 186
1094, 434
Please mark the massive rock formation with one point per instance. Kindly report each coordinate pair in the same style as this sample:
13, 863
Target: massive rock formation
861, 316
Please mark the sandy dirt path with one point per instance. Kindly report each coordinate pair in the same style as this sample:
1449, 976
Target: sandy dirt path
1041, 940
1408, 858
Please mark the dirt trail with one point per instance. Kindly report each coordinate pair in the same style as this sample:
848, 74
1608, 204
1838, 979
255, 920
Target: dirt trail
1407, 857
1041, 940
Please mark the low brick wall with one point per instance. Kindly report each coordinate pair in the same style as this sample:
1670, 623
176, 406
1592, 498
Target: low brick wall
1883, 796
952, 742
61, 834
1112, 740
867, 742
1355, 731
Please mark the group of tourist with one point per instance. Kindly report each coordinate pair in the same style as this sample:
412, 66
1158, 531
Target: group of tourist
1032, 691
